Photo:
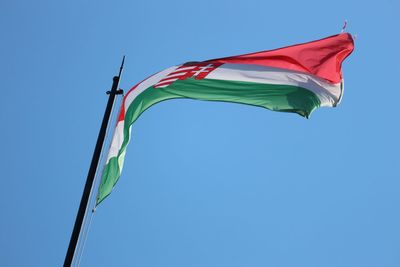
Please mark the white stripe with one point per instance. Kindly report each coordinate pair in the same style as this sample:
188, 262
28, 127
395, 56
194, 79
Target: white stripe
118, 136
117, 140
146, 84
186, 68
167, 80
161, 85
329, 94
176, 75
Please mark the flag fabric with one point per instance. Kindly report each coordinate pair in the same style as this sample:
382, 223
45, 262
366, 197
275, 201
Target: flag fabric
297, 79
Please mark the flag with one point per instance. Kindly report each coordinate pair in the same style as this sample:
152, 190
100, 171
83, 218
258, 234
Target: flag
297, 79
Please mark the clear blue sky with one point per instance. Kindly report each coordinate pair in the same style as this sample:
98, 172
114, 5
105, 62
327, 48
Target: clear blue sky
204, 184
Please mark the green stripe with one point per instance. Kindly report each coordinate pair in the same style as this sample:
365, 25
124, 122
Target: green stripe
284, 98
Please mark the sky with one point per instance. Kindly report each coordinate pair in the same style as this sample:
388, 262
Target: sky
204, 184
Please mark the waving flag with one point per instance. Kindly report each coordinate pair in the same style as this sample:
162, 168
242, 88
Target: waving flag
297, 79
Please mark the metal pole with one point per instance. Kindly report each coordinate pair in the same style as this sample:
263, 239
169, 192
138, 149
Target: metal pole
92, 170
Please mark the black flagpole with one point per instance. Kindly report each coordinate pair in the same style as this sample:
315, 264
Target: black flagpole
92, 170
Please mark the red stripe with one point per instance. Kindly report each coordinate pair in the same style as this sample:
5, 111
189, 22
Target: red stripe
322, 58
121, 115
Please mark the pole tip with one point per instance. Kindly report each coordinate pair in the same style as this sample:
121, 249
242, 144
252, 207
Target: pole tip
344, 26
122, 66
123, 61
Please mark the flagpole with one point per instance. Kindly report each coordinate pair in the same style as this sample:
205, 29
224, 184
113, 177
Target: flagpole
92, 170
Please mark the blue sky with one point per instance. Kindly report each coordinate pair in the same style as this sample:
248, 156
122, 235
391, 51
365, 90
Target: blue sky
204, 184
